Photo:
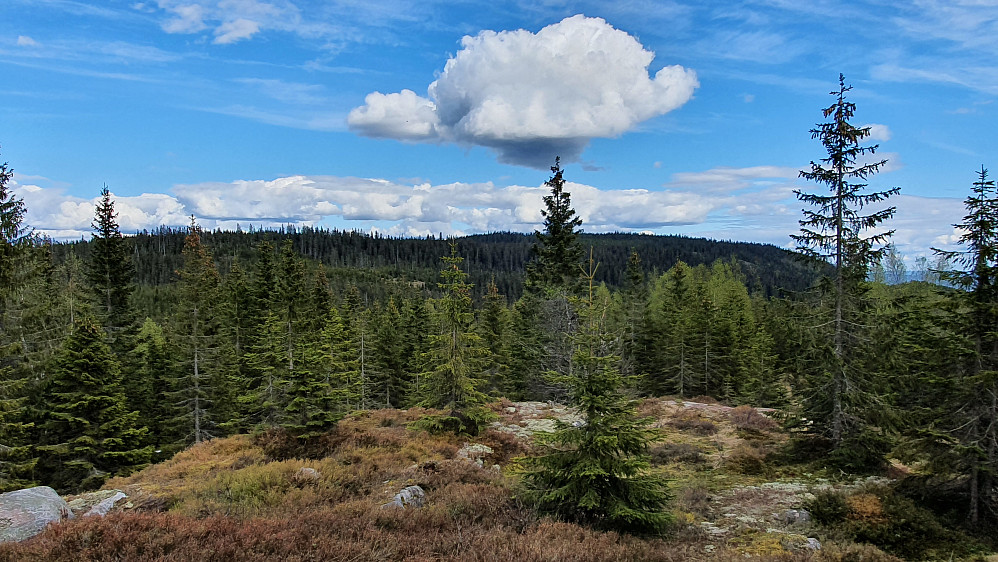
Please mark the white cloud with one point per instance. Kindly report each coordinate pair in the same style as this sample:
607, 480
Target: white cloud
532, 96
235, 30
753, 204
188, 18
879, 132
25, 41
403, 116
229, 20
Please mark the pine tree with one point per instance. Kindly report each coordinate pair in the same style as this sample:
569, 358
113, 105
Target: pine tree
597, 471
842, 401
88, 433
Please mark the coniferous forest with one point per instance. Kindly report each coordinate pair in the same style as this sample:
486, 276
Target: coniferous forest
120, 351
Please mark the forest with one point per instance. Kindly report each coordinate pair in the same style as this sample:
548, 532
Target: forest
121, 351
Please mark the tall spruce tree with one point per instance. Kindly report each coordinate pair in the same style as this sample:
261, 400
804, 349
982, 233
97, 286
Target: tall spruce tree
597, 471
843, 401
556, 253
552, 279
16, 241
457, 351
202, 376
88, 432
970, 423
109, 273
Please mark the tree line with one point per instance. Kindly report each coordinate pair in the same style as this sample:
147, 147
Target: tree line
105, 369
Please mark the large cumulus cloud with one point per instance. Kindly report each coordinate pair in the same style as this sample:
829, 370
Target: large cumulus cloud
532, 96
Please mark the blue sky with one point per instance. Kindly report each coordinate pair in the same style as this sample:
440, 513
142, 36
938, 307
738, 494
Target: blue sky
442, 117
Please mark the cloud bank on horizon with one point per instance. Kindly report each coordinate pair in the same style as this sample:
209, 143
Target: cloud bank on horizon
757, 205
533, 96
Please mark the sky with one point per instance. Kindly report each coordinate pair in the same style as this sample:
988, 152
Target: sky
430, 117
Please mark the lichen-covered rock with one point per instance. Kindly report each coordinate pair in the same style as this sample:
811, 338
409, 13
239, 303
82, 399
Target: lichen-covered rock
410, 496
84, 504
795, 516
474, 452
306, 476
102, 507
25, 513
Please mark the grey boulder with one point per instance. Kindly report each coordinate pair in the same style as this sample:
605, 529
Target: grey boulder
410, 496
25, 513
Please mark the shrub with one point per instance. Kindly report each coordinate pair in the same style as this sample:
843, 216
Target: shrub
747, 417
694, 422
676, 452
746, 459
694, 499
828, 507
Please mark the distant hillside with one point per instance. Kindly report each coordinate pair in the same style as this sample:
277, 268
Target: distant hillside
501, 256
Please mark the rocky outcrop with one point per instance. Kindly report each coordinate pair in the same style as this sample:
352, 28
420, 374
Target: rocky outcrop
25, 513
96, 503
410, 496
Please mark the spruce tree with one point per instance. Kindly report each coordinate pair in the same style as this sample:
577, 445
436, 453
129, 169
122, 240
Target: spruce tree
597, 471
15, 237
457, 350
971, 418
843, 401
556, 253
154, 375
109, 272
203, 377
16, 241
495, 326
88, 433
552, 279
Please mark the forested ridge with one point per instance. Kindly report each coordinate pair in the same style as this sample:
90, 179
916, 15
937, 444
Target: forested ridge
121, 351
501, 256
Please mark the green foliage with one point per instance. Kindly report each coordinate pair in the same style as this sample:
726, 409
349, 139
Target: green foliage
201, 389
109, 274
597, 472
842, 399
457, 350
556, 254
87, 433
891, 522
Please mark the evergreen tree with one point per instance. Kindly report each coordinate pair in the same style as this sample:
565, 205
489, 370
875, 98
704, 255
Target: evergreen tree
152, 356
634, 299
971, 420
16, 242
667, 355
597, 471
341, 363
457, 351
109, 273
386, 378
202, 377
88, 433
842, 400
556, 253
495, 327
15, 237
